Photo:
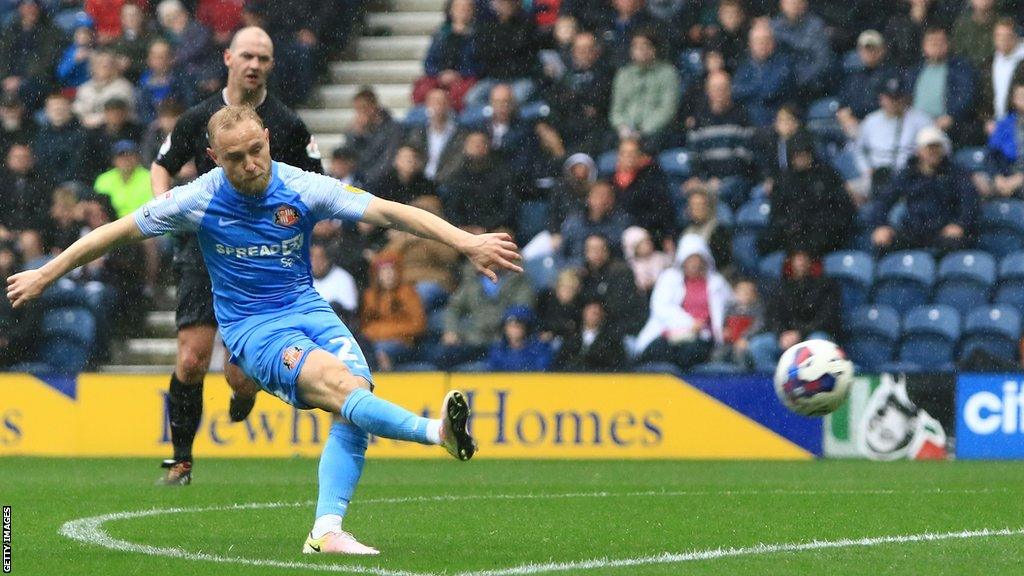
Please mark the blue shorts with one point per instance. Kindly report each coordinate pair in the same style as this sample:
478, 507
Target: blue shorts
271, 348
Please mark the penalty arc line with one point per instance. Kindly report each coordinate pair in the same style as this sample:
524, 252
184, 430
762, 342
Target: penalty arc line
714, 554
90, 531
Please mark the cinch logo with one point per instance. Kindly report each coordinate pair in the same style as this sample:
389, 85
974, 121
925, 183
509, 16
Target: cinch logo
988, 413
286, 247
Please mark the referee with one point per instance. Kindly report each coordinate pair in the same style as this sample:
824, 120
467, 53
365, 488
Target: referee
249, 60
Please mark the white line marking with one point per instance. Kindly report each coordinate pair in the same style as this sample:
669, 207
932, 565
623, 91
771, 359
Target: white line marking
714, 554
90, 531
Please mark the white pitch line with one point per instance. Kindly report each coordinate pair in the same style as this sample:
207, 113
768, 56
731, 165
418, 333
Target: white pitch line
90, 531
714, 554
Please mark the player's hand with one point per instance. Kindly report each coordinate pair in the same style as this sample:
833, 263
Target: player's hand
25, 286
492, 252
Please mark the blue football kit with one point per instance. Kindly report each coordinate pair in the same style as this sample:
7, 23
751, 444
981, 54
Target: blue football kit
256, 250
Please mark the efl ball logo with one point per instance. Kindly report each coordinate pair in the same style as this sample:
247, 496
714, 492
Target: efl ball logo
286, 215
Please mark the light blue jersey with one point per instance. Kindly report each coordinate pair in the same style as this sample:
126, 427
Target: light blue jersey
256, 249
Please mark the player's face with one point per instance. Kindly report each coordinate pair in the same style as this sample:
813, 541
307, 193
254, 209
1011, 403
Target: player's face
249, 62
243, 151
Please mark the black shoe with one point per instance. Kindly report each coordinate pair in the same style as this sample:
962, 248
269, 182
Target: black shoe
240, 407
179, 473
454, 416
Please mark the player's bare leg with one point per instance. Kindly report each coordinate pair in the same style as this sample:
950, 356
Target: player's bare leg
325, 382
243, 390
195, 346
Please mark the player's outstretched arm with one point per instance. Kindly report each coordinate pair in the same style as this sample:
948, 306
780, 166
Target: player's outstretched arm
488, 252
28, 285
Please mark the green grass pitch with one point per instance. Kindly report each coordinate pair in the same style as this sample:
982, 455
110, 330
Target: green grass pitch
453, 518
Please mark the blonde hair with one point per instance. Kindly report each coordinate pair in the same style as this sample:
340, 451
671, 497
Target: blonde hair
228, 116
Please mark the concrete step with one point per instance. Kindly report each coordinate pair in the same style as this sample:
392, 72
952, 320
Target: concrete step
148, 351
137, 368
327, 143
392, 47
415, 5
391, 95
407, 23
334, 120
376, 72
160, 323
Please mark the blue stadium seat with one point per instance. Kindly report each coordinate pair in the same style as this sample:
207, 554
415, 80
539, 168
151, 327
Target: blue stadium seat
751, 220
541, 272
822, 123
533, 111
416, 116
973, 159
965, 280
675, 162
533, 218
1010, 289
904, 280
770, 267
67, 338
844, 161
1002, 227
606, 163
873, 333
930, 334
474, 116
994, 329
854, 271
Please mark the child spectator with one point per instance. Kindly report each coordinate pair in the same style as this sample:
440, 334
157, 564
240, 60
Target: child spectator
646, 262
391, 315
519, 350
744, 317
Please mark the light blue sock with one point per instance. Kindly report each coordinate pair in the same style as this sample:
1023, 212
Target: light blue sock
382, 418
341, 464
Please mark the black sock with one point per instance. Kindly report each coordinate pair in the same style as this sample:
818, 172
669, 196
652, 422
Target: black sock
186, 407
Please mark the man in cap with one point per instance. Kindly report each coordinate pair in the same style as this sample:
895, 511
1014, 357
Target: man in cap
941, 202
886, 137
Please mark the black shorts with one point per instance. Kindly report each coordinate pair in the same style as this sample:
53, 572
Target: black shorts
195, 294
195, 300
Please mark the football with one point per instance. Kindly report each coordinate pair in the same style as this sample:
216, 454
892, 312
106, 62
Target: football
813, 377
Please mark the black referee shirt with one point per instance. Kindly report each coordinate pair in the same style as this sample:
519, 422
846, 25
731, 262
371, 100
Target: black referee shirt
290, 142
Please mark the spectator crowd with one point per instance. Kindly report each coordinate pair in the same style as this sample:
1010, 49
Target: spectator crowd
679, 173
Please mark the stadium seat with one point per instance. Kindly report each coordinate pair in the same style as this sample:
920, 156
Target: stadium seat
416, 116
474, 116
1002, 227
822, 122
675, 162
1010, 289
606, 163
904, 280
844, 161
541, 272
751, 220
973, 159
770, 266
533, 111
533, 218
873, 333
993, 329
854, 271
930, 334
67, 338
965, 280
